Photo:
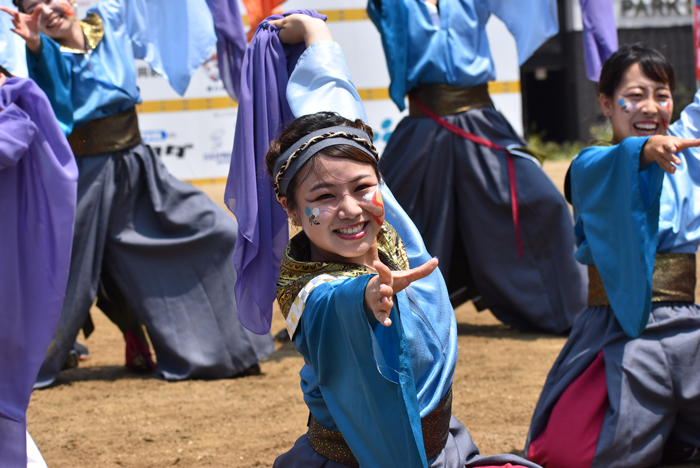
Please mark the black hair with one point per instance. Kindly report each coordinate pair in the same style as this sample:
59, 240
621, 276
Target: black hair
18, 4
301, 127
653, 64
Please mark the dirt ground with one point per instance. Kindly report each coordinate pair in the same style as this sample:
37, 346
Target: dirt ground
102, 415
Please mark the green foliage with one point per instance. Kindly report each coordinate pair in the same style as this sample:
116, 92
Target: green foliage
554, 151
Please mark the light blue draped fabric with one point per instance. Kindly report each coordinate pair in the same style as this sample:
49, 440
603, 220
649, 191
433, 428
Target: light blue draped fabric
616, 210
457, 52
321, 82
679, 226
12, 48
174, 36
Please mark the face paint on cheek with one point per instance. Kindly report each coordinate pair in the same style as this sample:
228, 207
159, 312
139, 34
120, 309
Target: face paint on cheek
669, 108
312, 214
378, 208
624, 105
69, 9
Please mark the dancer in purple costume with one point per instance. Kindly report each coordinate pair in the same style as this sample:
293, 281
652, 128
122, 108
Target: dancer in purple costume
38, 186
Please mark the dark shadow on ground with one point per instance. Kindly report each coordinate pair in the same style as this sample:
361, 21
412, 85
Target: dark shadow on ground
285, 349
98, 373
502, 331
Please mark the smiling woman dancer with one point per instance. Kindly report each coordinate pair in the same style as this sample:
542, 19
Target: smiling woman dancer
362, 299
625, 390
153, 249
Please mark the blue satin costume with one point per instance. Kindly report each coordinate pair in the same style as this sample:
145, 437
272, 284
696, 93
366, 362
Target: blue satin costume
624, 217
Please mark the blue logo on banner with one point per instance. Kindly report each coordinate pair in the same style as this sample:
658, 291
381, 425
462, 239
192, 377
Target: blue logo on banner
153, 136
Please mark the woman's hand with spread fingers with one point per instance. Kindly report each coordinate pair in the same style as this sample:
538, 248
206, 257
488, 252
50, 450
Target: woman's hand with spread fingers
381, 289
26, 27
661, 148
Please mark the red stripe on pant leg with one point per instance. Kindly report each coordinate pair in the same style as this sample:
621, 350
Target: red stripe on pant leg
507, 465
571, 436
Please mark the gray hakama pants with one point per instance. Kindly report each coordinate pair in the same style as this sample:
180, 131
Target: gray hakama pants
458, 195
459, 452
168, 249
653, 384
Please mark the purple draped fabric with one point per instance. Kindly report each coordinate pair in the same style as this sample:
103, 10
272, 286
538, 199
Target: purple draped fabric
38, 189
599, 35
262, 223
231, 43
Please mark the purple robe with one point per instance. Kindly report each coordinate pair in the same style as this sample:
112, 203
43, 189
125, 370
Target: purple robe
38, 189
599, 35
230, 42
263, 112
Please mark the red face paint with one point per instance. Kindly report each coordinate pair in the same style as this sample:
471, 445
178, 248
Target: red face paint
379, 202
669, 109
68, 8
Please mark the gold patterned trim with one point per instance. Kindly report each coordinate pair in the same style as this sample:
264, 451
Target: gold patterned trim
435, 427
93, 29
299, 303
296, 271
448, 100
673, 280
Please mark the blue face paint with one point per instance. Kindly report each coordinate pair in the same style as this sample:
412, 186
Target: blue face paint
625, 105
312, 214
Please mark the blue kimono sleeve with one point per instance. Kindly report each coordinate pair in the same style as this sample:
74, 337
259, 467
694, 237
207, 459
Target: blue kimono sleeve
616, 208
321, 81
174, 36
390, 17
17, 131
520, 16
679, 226
53, 75
364, 373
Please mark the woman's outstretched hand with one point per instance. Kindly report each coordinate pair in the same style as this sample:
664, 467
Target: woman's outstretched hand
26, 26
661, 148
381, 289
302, 28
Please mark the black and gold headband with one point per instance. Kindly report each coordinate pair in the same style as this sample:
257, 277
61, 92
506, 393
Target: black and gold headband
289, 162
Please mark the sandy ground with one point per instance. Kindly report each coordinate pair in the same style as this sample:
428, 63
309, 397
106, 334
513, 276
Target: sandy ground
102, 415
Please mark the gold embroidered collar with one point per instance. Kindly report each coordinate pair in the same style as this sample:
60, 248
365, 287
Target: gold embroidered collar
93, 29
296, 271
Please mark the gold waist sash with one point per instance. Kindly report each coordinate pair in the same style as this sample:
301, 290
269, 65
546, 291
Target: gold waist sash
106, 135
673, 280
448, 100
436, 429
